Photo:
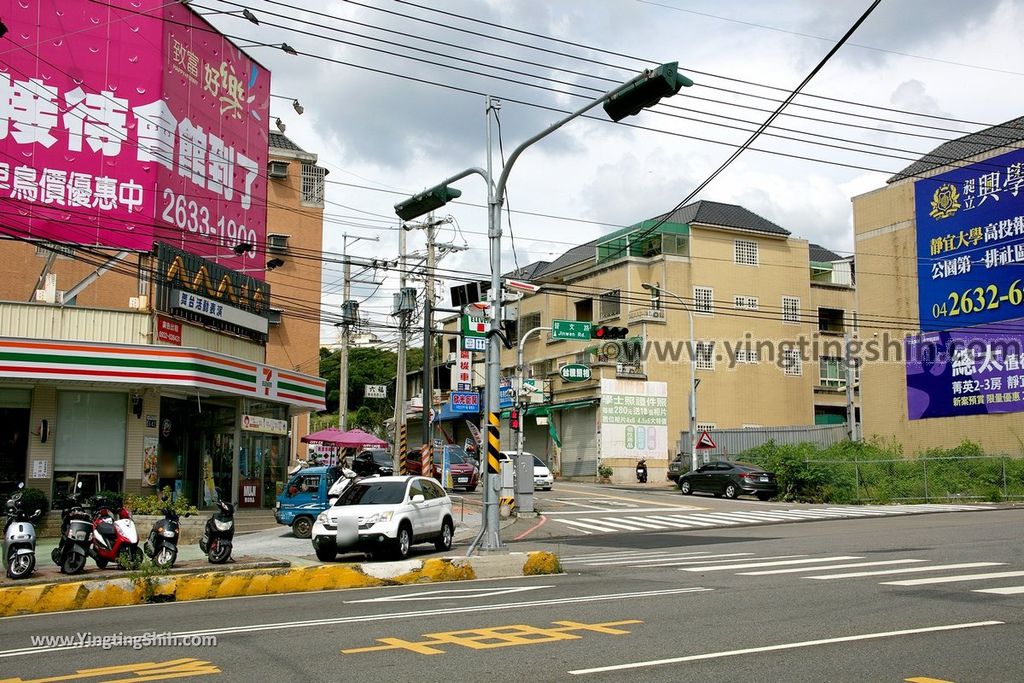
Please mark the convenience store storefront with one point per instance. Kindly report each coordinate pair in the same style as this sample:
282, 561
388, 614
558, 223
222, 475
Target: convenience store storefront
133, 418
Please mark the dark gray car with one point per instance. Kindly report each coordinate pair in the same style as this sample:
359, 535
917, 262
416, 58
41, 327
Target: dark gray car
730, 479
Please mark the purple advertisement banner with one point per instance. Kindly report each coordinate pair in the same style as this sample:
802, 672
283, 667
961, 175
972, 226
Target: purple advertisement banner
964, 372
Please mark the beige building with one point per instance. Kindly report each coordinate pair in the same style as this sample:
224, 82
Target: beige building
965, 186
755, 292
131, 371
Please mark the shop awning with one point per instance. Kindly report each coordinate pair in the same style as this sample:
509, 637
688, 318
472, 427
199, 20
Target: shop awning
353, 438
163, 366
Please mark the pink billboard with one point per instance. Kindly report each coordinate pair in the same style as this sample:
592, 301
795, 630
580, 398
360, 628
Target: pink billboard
129, 122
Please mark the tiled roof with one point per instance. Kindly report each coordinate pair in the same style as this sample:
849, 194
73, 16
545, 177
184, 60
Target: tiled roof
961, 148
704, 212
527, 272
282, 141
726, 216
821, 254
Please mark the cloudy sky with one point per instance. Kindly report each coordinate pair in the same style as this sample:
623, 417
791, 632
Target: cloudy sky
393, 93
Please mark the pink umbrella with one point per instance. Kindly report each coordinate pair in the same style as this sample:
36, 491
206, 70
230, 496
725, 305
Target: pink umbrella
353, 438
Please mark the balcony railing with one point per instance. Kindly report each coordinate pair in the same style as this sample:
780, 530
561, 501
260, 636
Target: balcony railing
646, 315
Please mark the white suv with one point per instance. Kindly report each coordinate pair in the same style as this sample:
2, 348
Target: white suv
385, 515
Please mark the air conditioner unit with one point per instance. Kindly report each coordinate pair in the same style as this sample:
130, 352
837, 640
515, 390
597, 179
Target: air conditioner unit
453, 357
277, 243
277, 169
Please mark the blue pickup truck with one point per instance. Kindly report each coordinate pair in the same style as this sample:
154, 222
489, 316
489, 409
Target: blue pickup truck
304, 498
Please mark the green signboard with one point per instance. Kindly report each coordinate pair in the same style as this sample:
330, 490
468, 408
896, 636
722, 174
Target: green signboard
570, 329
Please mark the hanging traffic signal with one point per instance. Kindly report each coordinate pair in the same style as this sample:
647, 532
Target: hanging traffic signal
604, 332
513, 420
646, 90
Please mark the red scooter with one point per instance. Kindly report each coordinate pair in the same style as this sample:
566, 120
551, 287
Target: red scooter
114, 537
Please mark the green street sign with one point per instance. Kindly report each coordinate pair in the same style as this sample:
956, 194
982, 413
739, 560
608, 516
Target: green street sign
575, 372
570, 329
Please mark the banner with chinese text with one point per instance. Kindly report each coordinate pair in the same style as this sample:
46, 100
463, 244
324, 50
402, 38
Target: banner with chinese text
126, 122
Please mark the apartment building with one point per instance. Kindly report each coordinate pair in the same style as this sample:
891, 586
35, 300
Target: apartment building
755, 293
938, 252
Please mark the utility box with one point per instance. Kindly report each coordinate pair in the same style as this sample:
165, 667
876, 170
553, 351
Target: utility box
524, 482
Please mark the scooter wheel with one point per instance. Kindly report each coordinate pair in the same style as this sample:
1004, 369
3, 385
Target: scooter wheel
129, 558
55, 556
73, 563
165, 558
220, 554
101, 563
20, 566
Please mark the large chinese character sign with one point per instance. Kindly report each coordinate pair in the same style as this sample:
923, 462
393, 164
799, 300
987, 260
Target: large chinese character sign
125, 122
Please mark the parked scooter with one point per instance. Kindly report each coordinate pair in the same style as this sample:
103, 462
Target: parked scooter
162, 544
344, 481
218, 533
19, 537
75, 532
641, 471
114, 537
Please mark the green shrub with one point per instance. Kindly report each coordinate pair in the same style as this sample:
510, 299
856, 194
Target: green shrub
604, 471
31, 500
155, 504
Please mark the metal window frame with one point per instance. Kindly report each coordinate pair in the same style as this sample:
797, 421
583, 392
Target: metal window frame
748, 249
698, 307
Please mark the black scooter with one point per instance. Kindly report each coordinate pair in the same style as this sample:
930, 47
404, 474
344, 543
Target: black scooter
75, 535
641, 471
218, 533
162, 544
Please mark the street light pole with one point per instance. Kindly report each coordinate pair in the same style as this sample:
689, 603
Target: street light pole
641, 92
693, 370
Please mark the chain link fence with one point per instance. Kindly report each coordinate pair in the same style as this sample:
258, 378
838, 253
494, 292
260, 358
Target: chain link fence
928, 479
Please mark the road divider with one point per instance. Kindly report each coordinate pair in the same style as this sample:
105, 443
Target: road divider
119, 592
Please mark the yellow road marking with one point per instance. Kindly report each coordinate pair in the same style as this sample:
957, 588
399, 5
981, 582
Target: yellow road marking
498, 636
925, 679
139, 671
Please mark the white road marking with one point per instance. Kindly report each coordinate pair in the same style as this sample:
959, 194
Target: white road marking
911, 570
451, 593
387, 616
589, 524
701, 560
792, 570
668, 561
772, 564
786, 646
683, 520
643, 522
953, 579
1009, 590
632, 511
621, 553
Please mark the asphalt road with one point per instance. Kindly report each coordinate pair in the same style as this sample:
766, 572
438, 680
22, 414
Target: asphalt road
786, 602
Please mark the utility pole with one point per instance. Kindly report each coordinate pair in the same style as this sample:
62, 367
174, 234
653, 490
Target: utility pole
428, 326
402, 309
851, 414
349, 318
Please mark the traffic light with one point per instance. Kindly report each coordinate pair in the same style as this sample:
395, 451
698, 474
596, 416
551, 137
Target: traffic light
426, 201
646, 90
605, 332
513, 420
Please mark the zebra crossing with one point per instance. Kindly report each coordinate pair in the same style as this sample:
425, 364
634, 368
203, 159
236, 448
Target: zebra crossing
919, 571
663, 519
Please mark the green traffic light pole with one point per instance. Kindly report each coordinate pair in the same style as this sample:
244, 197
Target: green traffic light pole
644, 90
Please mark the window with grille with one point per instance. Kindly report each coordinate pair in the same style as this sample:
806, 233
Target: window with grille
747, 302
541, 369
791, 362
703, 300
790, 309
831, 372
746, 356
528, 321
313, 184
705, 353
610, 304
277, 243
746, 252
47, 248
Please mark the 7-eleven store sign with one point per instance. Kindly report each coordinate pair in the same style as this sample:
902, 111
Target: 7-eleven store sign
474, 333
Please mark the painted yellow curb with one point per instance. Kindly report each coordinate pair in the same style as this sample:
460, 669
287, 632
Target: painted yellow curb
60, 597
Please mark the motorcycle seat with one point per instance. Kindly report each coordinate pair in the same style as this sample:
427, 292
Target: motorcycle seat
106, 529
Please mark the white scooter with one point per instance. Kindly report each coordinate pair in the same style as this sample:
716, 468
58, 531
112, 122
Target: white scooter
337, 488
19, 538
